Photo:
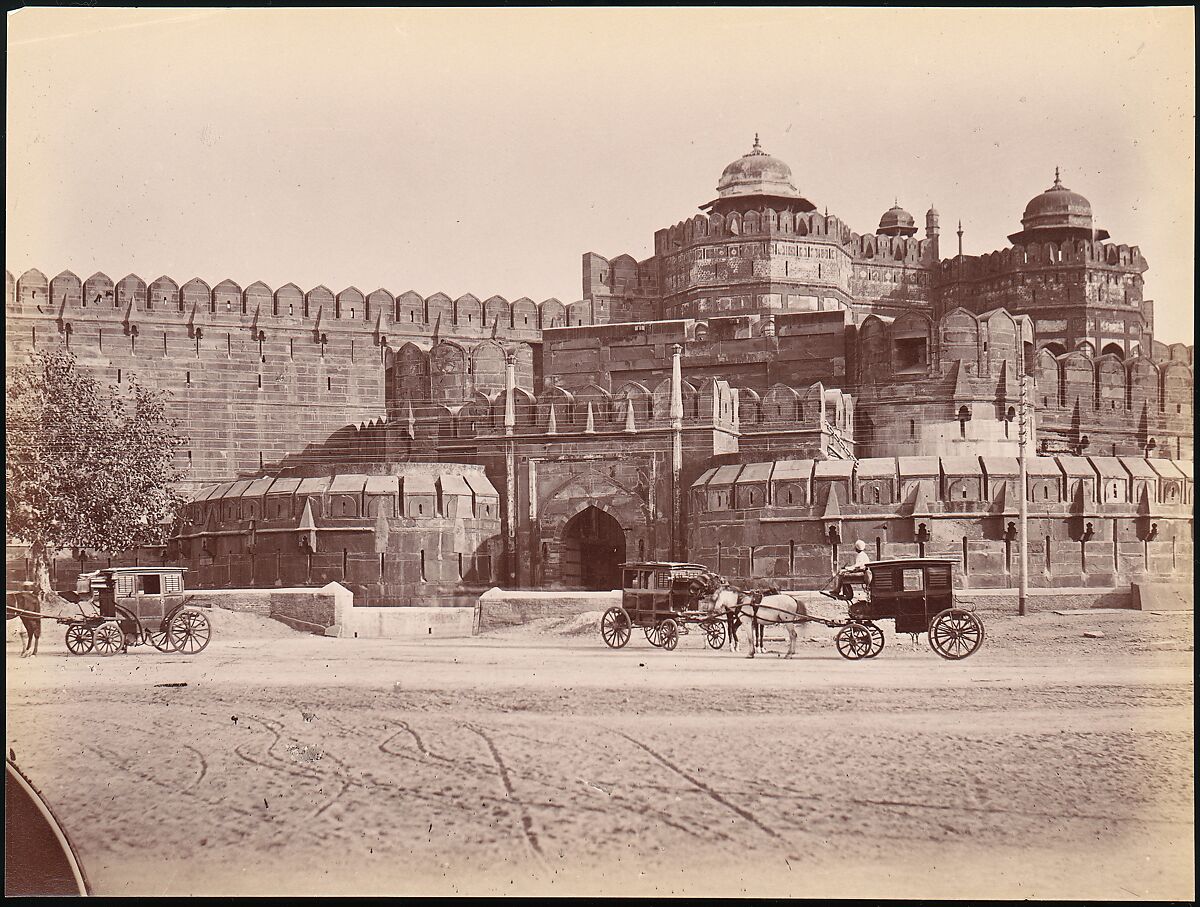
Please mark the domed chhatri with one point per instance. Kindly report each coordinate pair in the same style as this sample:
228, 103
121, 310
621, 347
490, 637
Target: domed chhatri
757, 173
897, 222
1057, 214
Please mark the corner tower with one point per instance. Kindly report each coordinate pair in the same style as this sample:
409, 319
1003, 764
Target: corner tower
1082, 292
760, 247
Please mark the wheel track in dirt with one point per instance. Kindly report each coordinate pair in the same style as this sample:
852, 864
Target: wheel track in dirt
405, 727
527, 830
640, 808
561, 786
128, 767
339, 774
699, 785
200, 776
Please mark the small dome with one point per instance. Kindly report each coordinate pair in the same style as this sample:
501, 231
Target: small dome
757, 173
1058, 206
1057, 214
897, 222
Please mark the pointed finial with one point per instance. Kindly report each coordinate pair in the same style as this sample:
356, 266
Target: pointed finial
756, 149
1057, 181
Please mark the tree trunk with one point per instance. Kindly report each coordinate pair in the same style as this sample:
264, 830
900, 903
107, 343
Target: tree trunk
40, 556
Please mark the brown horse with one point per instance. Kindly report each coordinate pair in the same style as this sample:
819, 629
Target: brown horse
27, 604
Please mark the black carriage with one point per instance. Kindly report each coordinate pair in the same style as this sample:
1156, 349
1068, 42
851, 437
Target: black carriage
918, 594
660, 597
130, 606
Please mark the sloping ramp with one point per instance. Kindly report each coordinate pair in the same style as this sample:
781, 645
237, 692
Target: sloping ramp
1163, 597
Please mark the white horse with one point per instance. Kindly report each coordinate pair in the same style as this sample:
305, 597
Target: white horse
738, 606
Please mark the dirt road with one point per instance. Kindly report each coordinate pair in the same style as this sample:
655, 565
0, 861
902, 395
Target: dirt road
1045, 766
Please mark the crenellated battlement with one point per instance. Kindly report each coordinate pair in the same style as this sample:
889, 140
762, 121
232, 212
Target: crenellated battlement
703, 228
1019, 258
196, 304
881, 248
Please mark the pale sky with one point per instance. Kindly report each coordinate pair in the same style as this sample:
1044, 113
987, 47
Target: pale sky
483, 151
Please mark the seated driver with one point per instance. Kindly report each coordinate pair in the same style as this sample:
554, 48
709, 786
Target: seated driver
846, 579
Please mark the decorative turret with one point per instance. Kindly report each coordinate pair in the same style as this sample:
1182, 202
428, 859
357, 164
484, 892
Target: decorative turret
931, 232
897, 222
759, 178
1055, 215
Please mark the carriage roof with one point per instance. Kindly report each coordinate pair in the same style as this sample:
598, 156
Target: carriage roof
113, 572
913, 562
661, 565
116, 571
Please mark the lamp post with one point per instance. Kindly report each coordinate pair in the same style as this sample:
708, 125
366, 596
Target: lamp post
1023, 504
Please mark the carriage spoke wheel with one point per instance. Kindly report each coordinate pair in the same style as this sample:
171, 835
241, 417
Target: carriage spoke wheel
668, 632
653, 635
714, 634
160, 638
79, 640
189, 632
108, 639
853, 641
615, 626
955, 633
876, 638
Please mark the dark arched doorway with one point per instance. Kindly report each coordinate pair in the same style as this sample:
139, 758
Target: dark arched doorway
593, 548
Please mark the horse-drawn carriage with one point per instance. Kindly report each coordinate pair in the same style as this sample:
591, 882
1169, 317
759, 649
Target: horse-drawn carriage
660, 598
917, 593
131, 606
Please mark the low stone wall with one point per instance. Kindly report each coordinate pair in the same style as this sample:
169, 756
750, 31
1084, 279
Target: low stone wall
365, 622
1004, 601
1164, 597
498, 608
304, 608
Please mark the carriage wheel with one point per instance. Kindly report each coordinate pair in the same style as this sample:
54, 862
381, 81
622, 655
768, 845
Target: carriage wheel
653, 635
876, 638
853, 641
615, 626
189, 632
714, 633
79, 640
160, 637
669, 634
108, 639
955, 633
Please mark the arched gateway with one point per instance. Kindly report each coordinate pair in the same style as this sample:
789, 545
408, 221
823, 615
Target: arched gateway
593, 549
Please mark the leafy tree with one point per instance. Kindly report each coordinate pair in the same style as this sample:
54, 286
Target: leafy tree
87, 466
